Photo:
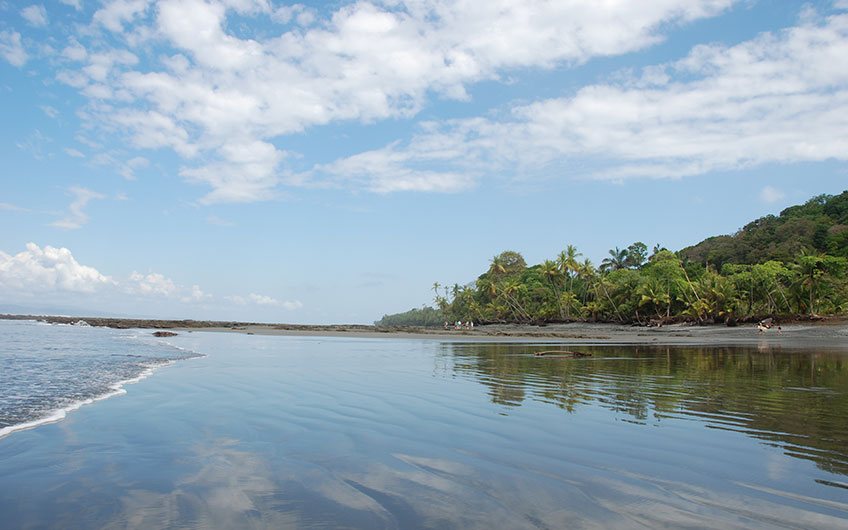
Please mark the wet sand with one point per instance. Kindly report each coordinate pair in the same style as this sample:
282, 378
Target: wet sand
828, 335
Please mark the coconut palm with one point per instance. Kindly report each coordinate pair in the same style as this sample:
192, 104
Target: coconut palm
617, 260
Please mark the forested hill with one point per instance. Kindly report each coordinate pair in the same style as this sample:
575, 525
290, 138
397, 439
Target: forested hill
820, 225
788, 265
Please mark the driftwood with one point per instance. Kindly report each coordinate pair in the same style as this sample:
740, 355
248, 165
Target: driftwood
564, 353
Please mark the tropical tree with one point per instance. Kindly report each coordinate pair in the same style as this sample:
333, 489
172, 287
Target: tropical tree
617, 260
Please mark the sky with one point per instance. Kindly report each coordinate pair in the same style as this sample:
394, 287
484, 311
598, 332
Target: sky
326, 162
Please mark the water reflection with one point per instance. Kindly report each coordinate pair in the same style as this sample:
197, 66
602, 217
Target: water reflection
797, 401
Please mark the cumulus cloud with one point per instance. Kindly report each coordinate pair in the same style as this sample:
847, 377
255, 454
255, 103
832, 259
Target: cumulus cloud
36, 15
74, 51
291, 305
55, 270
196, 295
48, 269
264, 300
11, 48
157, 285
774, 99
76, 217
152, 284
223, 102
116, 13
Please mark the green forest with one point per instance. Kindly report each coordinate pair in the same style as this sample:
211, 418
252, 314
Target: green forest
787, 266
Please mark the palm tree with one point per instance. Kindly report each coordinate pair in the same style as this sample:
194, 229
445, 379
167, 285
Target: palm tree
437, 299
586, 272
617, 260
551, 271
568, 263
810, 267
497, 268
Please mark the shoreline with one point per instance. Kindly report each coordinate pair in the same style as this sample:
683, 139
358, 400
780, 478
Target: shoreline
59, 414
831, 334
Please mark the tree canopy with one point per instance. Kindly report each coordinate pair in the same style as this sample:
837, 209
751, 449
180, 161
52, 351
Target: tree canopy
792, 264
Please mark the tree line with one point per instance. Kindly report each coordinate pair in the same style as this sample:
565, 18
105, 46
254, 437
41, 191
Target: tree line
771, 267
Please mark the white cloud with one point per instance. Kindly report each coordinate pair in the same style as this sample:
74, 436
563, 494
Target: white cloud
126, 169
770, 195
75, 51
76, 4
157, 285
129, 168
36, 15
152, 284
245, 173
118, 12
70, 151
390, 170
220, 100
236, 299
54, 270
774, 99
48, 269
196, 295
291, 305
11, 48
264, 300
76, 216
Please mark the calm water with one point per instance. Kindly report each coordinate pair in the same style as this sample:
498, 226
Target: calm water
293, 432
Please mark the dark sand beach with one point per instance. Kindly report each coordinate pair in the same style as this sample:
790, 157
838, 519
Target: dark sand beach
831, 333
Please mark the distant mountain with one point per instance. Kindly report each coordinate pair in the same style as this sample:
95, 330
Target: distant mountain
819, 225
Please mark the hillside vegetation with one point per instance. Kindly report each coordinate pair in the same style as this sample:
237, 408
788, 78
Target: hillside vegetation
790, 265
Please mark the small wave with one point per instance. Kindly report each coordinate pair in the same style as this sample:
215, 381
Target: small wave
115, 389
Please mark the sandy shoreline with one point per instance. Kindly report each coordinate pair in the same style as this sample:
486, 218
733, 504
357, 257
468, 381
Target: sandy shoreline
827, 335
830, 334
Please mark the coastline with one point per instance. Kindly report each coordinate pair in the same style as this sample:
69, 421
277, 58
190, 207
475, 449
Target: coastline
831, 333
59, 414
823, 335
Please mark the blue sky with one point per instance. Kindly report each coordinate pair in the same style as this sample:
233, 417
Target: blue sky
327, 162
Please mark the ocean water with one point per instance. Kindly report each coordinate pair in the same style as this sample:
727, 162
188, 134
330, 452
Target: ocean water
311, 432
48, 370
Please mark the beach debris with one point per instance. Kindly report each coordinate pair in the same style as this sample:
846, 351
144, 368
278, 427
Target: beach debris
164, 334
767, 324
562, 353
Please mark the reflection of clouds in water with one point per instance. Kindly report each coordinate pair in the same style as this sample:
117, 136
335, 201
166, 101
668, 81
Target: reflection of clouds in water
776, 466
646, 501
232, 489
428, 492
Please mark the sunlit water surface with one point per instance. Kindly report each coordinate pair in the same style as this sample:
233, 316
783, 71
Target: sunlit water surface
294, 432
